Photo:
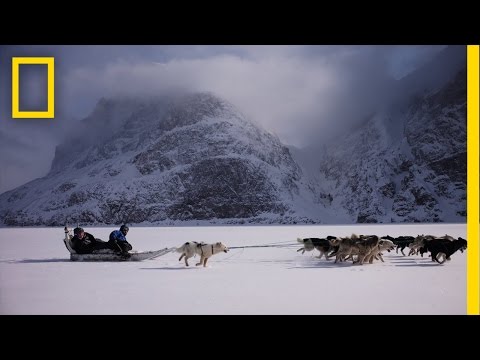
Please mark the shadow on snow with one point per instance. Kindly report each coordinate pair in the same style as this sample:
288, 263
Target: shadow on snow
35, 261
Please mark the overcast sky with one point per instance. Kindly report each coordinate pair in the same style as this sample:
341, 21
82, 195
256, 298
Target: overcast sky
296, 92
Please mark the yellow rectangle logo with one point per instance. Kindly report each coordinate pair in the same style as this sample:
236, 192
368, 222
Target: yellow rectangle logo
16, 62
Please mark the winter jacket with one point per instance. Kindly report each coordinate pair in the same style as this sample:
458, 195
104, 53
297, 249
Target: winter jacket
117, 235
85, 245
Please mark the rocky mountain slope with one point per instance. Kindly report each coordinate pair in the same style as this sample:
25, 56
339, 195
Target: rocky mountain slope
195, 159
406, 166
184, 158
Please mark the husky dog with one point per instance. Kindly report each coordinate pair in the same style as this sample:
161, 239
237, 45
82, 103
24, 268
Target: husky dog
322, 245
189, 249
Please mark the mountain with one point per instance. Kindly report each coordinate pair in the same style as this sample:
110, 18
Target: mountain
403, 164
195, 159
190, 157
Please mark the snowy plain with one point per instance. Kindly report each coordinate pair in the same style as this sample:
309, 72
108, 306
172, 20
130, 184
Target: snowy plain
37, 277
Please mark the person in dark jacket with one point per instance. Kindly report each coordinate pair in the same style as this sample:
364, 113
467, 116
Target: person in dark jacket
118, 241
85, 243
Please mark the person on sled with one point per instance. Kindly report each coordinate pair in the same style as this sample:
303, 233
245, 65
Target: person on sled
86, 243
118, 241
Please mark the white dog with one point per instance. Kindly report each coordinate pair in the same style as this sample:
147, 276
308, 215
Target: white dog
189, 249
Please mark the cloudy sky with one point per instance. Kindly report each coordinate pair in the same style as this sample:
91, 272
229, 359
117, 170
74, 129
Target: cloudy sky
300, 93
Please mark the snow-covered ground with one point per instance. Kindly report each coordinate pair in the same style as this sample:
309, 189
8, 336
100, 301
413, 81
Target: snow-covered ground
37, 277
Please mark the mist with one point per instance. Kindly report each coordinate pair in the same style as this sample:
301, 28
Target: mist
303, 94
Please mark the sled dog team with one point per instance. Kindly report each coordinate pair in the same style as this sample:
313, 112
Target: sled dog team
365, 248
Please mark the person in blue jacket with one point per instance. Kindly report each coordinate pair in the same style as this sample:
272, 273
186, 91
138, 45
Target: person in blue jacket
118, 241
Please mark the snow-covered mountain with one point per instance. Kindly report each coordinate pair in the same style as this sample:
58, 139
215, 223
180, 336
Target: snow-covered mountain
196, 159
403, 165
190, 157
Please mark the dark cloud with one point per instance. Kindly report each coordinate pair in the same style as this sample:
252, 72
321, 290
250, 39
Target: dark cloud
303, 94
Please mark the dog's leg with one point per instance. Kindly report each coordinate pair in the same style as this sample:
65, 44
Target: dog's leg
360, 259
205, 262
201, 260
300, 250
181, 257
186, 261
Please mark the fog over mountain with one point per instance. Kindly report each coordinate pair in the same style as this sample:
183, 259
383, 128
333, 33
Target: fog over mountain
395, 153
302, 93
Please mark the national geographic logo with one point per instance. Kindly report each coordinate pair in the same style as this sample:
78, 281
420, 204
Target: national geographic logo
49, 113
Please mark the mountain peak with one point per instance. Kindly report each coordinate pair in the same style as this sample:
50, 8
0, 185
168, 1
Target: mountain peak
185, 157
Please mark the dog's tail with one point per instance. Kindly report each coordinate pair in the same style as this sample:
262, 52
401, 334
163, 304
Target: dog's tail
182, 248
